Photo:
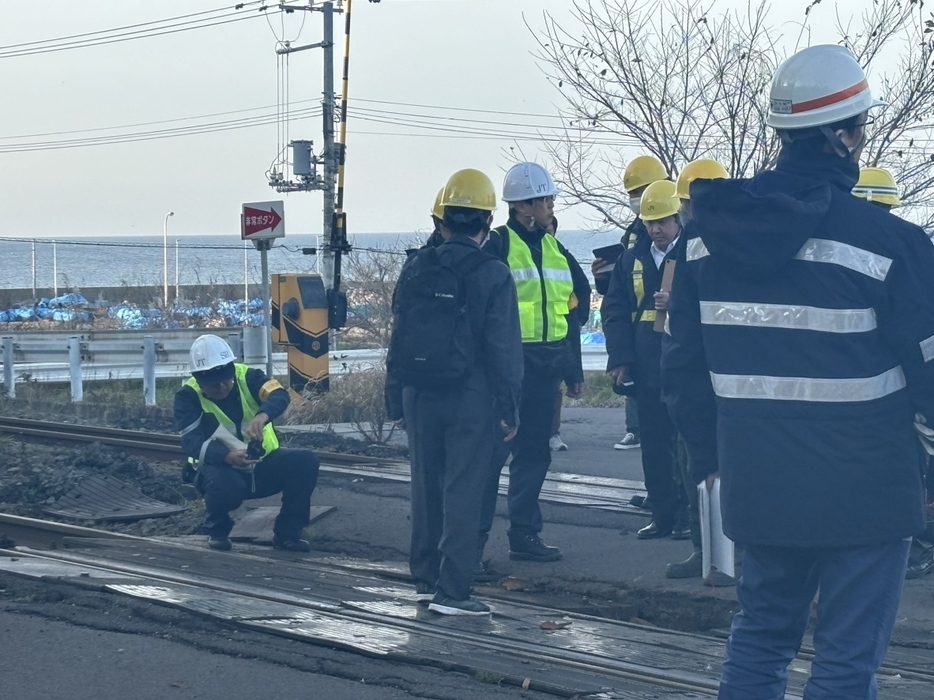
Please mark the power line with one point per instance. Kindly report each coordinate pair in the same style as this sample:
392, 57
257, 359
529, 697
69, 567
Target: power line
129, 36
117, 29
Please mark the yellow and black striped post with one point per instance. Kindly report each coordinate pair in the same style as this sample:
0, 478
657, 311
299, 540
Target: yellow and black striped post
300, 321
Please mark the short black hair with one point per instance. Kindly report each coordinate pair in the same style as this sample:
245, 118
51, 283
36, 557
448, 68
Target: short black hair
464, 221
813, 138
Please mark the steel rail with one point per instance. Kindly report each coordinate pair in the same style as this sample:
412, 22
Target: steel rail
524, 651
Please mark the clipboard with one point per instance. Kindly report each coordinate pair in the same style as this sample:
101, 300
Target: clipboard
668, 275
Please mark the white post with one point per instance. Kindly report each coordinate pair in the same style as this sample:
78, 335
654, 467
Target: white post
267, 311
8, 377
149, 369
54, 269
165, 260
246, 280
34, 269
176, 269
74, 369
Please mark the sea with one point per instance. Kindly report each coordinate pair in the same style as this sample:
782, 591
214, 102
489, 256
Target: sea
68, 264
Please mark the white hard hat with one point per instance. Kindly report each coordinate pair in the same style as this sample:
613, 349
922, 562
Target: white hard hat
210, 352
819, 85
526, 181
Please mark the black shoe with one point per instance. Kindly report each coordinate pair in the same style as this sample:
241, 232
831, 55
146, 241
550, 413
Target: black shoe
653, 531
681, 531
424, 593
531, 548
221, 544
692, 567
483, 572
640, 501
451, 606
296, 545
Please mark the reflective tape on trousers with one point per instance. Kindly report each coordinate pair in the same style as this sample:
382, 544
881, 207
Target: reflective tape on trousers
848, 390
836, 253
812, 318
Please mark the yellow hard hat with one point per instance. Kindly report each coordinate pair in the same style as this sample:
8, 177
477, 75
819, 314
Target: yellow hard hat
437, 210
700, 169
877, 185
660, 200
471, 189
643, 171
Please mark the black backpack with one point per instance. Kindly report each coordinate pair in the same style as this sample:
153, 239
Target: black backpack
433, 346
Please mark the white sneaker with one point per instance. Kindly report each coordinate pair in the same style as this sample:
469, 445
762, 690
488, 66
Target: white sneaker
629, 442
557, 444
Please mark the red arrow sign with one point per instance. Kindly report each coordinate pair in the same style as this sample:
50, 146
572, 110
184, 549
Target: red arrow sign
256, 220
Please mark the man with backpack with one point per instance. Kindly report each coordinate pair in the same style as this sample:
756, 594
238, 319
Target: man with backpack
454, 371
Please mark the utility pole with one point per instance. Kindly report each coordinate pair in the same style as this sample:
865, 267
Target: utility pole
330, 154
307, 177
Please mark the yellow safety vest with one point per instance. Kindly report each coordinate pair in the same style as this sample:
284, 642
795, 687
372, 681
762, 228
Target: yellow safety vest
544, 297
638, 287
247, 402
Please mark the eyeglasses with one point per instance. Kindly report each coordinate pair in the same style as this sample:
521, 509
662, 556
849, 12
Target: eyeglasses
868, 122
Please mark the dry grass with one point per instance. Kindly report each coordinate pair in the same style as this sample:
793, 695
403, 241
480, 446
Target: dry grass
355, 398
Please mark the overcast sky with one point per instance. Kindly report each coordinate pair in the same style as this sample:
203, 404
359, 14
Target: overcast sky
452, 54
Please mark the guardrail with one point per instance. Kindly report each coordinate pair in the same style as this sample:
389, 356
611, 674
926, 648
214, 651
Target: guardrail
60, 356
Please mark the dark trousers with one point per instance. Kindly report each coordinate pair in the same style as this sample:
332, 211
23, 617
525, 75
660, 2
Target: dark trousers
556, 417
531, 458
692, 508
450, 441
859, 592
659, 466
294, 473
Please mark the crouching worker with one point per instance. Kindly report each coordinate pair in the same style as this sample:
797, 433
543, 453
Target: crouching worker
454, 370
224, 414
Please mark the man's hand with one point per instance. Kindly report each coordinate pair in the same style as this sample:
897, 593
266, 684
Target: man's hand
576, 390
596, 265
661, 301
238, 458
254, 431
508, 430
710, 479
619, 375
400, 424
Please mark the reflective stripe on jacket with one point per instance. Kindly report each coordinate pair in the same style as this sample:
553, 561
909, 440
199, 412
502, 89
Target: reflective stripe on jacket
247, 402
543, 293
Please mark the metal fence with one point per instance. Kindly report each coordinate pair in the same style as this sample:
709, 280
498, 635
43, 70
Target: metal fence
76, 357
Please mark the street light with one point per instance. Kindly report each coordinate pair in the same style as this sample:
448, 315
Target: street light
165, 260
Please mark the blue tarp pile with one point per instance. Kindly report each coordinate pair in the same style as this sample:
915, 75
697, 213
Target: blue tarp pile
238, 313
134, 317
593, 339
65, 308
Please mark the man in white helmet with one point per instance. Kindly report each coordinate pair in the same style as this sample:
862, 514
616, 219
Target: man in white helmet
224, 414
548, 281
793, 346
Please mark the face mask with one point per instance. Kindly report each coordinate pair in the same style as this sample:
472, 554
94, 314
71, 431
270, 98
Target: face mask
634, 204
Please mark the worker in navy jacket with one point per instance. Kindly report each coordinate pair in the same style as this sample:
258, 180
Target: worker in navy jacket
808, 313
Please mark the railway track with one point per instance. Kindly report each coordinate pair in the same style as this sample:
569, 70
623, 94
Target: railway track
569, 489
367, 609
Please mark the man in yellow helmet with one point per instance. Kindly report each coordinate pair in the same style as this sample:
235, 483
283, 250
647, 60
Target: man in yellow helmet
878, 186
224, 414
635, 347
544, 279
641, 172
454, 370
702, 169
